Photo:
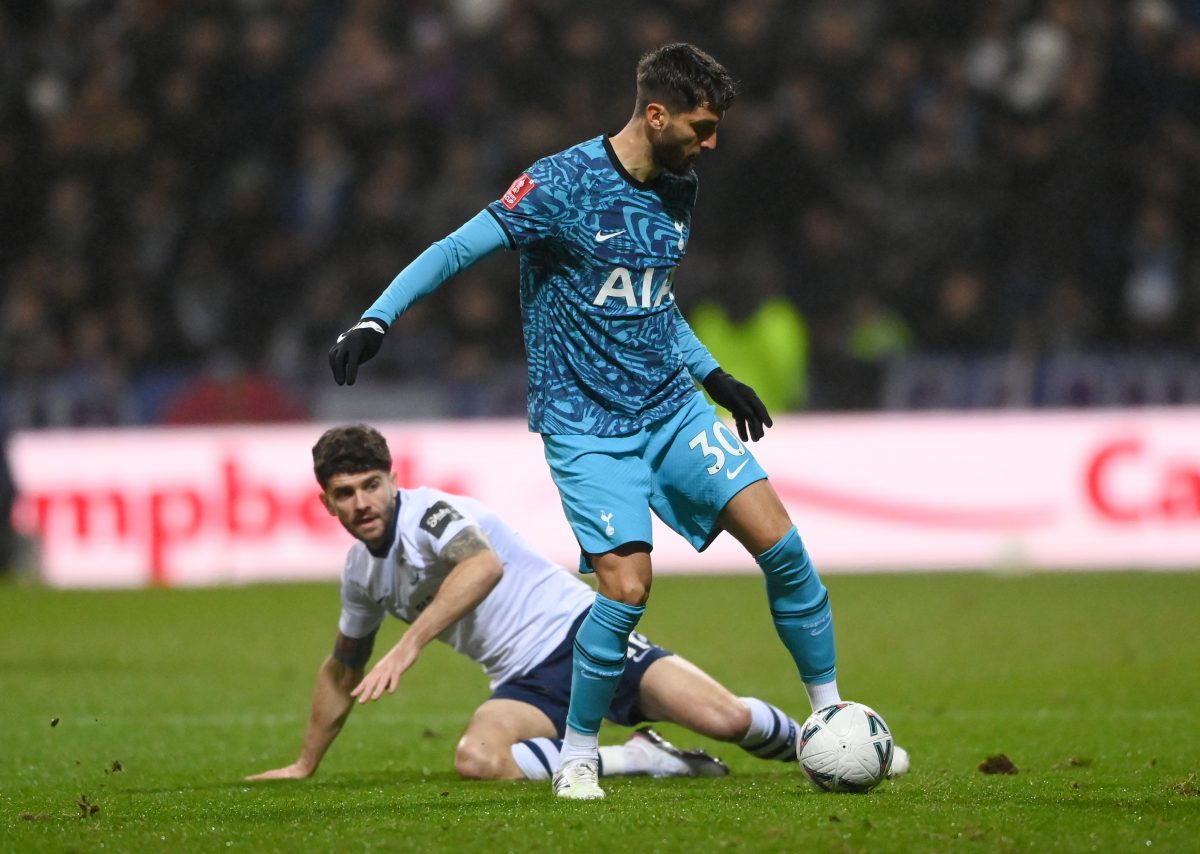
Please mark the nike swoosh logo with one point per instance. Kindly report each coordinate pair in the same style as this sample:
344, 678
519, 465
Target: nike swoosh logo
601, 236
732, 473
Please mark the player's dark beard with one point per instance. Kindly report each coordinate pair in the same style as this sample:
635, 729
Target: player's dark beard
670, 157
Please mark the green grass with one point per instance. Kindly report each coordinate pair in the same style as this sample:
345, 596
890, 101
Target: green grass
1089, 682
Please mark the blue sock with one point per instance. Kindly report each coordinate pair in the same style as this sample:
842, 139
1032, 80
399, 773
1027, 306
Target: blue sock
599, 661
800, 608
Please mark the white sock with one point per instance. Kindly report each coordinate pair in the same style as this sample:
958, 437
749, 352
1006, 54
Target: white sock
537, 757
825, 694
616, 761
631, 759
579, 745
772, 733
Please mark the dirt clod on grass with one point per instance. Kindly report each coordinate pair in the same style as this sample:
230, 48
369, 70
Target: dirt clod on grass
1074, 762
86, 807
998, 764
1189, 787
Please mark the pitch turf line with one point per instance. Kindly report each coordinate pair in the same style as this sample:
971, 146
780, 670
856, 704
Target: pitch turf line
1088, 682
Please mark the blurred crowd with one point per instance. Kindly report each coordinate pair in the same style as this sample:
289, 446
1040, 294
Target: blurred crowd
196, 196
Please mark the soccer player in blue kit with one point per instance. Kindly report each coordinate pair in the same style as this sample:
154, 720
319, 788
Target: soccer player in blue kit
613, 368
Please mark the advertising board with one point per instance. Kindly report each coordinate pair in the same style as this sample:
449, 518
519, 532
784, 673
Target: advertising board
1092, 490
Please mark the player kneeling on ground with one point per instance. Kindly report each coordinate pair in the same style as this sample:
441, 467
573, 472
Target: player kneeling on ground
454, 571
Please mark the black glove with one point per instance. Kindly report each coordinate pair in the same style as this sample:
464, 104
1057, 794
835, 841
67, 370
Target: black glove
748, 411
354, 347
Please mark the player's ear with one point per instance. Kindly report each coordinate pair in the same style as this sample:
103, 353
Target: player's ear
327, 503
657, 115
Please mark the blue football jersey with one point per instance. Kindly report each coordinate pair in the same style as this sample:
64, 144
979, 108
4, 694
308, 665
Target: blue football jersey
608, 350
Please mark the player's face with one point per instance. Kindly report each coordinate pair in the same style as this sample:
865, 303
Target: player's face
682, 136
364, 503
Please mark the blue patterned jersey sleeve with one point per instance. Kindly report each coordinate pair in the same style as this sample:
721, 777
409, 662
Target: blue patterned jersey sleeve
537, 204
700, 363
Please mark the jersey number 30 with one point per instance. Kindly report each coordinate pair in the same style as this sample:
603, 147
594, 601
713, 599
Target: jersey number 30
725, 440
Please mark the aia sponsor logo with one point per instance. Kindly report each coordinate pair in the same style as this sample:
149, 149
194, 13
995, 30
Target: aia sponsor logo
520, 189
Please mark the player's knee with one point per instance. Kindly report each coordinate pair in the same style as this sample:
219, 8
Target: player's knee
475, 761
629, 592
627, 588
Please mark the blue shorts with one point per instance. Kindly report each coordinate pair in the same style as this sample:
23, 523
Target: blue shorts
685, 468
548, 685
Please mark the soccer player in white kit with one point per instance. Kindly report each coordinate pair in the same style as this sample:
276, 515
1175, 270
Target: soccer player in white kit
454, 571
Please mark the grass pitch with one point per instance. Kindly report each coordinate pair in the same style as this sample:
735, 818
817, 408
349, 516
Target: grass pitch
129, 718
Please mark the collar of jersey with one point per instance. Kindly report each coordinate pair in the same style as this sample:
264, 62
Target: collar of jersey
390, 538
622, 171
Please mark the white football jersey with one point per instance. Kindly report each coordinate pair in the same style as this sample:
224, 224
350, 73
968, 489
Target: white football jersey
516, 626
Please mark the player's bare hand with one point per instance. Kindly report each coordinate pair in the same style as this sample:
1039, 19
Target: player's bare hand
295, 771
384, 676
749, 412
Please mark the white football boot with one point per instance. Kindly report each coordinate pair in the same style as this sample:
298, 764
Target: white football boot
667, 760
578, 780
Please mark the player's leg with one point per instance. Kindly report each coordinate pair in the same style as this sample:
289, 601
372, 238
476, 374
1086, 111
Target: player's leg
673, 689
799, 601
623, 585
604, 485
706, 481
528, 714
645, 751
532, 712
503, 739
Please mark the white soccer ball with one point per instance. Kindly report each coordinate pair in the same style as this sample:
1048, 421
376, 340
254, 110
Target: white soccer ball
845, 747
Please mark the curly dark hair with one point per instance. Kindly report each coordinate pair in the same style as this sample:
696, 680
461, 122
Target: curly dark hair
683, 77
351, 449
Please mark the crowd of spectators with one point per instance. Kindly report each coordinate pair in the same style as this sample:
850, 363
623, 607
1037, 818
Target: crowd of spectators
197, 195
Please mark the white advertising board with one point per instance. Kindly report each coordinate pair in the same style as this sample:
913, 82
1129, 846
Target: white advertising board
1111, 489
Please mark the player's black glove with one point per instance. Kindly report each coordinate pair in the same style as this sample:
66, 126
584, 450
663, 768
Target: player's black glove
354, 347
748, 411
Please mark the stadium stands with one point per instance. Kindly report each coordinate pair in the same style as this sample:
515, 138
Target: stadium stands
993, 197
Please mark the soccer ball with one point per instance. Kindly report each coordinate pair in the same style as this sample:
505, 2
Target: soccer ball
845, 747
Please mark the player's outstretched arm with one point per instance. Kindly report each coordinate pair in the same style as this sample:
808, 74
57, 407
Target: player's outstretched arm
477, 570
331, 705
478, 237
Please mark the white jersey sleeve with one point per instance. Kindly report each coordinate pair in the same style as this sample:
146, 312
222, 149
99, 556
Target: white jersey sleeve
361, 615
440, 522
